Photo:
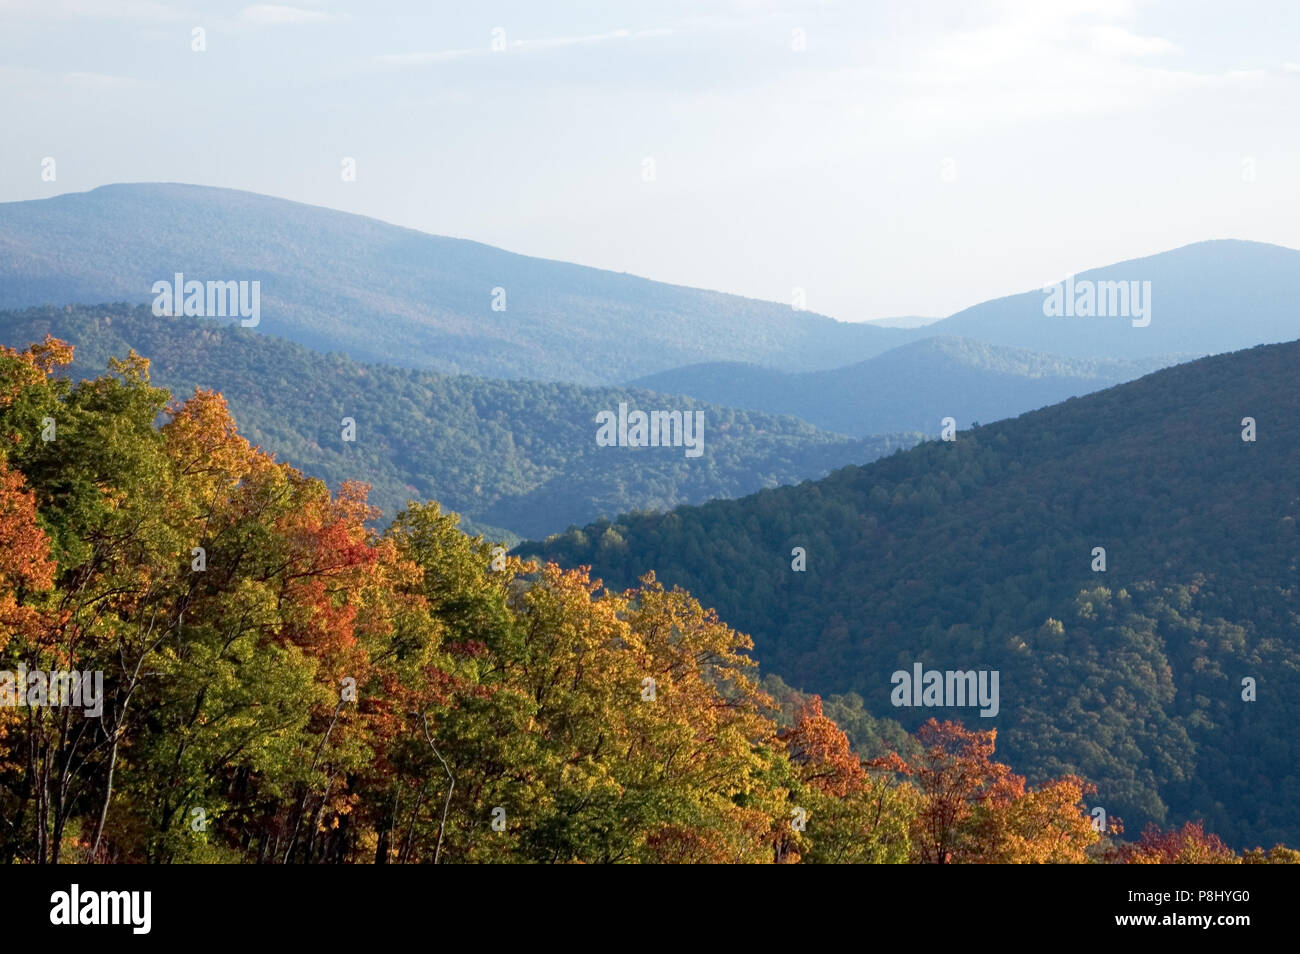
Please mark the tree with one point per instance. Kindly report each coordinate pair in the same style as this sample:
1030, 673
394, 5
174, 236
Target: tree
976, 810
1188, 845
854, 817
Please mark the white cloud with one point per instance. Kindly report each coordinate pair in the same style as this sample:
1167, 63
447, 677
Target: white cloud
99, 80
33, 80
270, 14
420, 59
513, 46
92, 9
552, 42
1116, 41
1032, 61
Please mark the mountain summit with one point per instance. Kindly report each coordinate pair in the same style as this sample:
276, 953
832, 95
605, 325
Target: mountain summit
335, 281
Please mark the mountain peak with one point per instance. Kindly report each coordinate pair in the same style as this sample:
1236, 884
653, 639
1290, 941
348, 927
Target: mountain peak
339, 281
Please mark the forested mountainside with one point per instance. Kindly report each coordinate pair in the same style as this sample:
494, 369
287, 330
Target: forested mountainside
516, 458
262, 676
377, 292
979, 553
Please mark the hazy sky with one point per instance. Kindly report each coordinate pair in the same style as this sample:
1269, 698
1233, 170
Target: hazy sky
912, 158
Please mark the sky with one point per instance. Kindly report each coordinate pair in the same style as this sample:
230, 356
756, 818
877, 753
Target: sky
886, 158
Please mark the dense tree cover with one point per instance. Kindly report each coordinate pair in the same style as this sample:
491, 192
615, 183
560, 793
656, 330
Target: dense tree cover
871, 737
978, 554
283, 683
378, 292
909, 388
514, 457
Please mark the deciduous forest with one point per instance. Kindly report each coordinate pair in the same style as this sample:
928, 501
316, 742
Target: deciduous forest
285, 683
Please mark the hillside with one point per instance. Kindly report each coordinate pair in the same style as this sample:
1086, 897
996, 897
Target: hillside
340, 282
978, 554
903, 321
911, 387
276, 682
1205, 298
515, 458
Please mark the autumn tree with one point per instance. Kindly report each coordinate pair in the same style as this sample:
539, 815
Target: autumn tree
1188, 845
286, 683
1277, 855
976, 810
853, 816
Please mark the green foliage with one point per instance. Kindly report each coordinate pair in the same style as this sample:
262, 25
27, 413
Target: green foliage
513, 457
976, 554
281, 683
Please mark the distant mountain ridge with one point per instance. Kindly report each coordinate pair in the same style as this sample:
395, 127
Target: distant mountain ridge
909, 388
515, 458
903, 321
335, 281
1207, 298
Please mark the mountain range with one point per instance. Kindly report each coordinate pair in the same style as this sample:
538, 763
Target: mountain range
335, 281
1127, 561
1206, 298
1166, 674
514, 458
966, 379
